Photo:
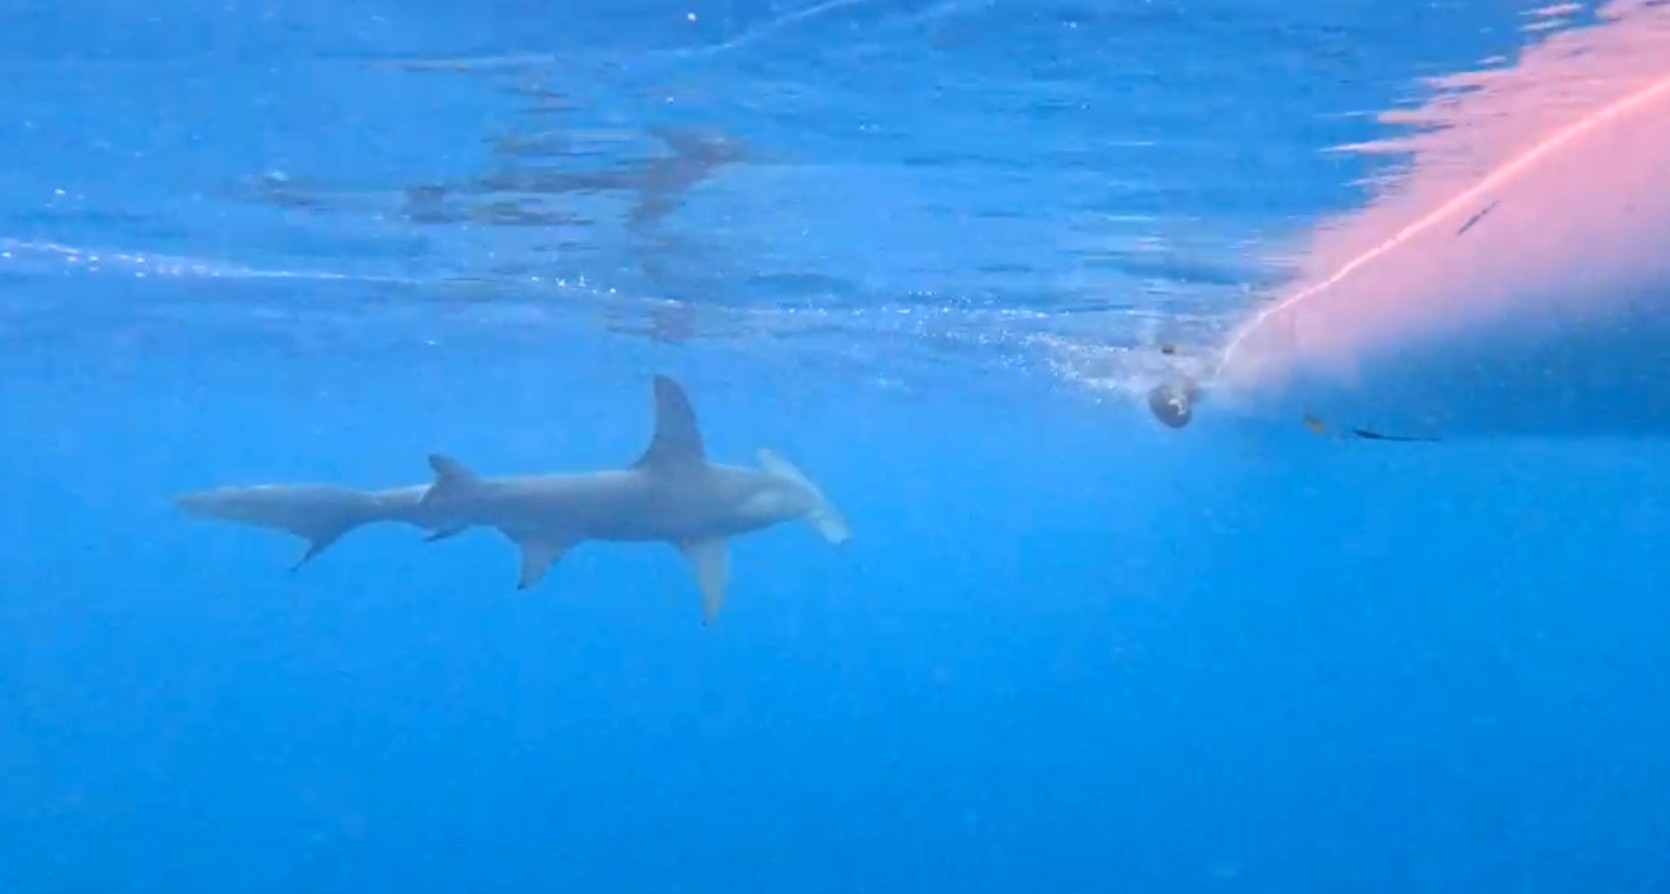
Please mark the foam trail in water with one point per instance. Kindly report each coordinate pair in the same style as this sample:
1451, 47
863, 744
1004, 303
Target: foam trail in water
1523, 260
774, 27
19, 252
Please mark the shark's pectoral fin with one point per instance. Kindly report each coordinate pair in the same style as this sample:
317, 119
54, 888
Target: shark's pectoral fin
711, 561
538, 555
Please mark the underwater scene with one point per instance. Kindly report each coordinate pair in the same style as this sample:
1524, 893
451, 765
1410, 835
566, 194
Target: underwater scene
1025, 446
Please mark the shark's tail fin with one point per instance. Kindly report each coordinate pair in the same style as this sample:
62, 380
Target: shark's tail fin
824, 517
319, 514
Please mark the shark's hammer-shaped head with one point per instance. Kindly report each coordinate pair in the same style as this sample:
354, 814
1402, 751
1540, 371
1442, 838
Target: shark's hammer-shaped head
783, 493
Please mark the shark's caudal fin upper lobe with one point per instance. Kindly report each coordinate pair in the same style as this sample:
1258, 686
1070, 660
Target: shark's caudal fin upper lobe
317, 513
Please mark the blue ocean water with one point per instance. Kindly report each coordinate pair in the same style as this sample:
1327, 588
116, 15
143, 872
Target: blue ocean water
927, 250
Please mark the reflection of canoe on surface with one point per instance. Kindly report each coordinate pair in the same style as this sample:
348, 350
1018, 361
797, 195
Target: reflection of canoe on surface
1516, 281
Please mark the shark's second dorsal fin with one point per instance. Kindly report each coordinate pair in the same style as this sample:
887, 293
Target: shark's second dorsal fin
451, 478
678, 440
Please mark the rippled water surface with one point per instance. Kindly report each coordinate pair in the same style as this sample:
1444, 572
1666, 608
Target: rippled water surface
1049, 187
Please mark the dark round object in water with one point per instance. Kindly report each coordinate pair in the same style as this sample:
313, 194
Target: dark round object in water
1173, 402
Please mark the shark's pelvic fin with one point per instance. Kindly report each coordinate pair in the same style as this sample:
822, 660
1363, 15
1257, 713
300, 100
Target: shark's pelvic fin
711, 561
678, 439
451, 478
825, 519
538, 555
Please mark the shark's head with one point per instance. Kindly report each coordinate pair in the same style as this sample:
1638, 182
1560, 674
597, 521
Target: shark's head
784, 494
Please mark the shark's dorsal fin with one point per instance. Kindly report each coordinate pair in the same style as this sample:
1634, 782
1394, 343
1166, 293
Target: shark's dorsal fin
451, 478
710, 559
677, 442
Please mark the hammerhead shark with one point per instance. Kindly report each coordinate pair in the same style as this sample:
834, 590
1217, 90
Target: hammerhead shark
671, 494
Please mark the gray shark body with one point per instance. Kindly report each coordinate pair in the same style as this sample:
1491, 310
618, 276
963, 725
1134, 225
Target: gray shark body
671, 494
